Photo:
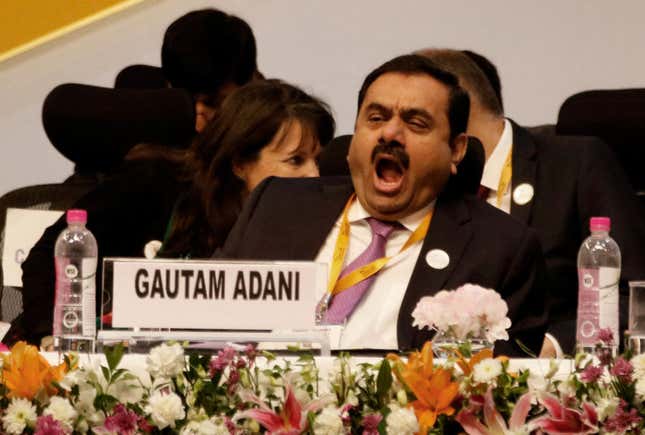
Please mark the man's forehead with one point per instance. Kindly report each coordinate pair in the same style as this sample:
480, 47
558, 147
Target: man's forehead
407, 91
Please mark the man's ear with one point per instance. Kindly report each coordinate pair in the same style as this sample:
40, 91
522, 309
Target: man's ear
458, 147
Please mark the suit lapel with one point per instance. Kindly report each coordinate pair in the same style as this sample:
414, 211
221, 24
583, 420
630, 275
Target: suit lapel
450, 231
524, 166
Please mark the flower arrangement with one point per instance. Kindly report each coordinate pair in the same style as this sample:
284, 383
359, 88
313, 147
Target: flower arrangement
469, 311
241, 391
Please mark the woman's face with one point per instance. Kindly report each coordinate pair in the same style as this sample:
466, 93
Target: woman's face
289, 154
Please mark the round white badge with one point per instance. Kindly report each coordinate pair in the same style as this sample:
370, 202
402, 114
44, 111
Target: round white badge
523, 194
437, 259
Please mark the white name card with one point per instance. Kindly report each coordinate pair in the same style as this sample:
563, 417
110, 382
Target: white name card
195, 294
22, 230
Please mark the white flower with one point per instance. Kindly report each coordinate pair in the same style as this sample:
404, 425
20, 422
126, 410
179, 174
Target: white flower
402, 397
205, 427
166, 361
487, 370
638, 362
127, 389
61, 410
85, 405
640, 388
464, 312
567, 388
165, 409
351, 398
606, 407
401, 421
20, 413
328, 422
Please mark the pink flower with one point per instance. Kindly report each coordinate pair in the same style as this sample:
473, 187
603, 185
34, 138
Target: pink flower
591, 373
291, 420
622, 369
122, 421
250, 353
48, 425
562, 420
495, 424
224, 358
606, 336
370, 424
621, 421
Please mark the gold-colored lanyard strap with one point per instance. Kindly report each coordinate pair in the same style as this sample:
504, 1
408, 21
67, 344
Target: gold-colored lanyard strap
505, 178
335, 285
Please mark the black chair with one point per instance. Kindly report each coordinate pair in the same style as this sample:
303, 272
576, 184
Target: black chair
95, 128
615, 116
333, 161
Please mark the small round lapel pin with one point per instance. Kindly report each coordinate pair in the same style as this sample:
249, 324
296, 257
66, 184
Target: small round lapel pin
523, 194
437, 259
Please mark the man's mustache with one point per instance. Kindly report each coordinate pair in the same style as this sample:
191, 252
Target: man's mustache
394, 149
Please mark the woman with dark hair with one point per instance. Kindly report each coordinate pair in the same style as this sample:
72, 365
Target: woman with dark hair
266, 128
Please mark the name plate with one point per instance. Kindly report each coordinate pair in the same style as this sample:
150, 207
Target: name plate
197, 294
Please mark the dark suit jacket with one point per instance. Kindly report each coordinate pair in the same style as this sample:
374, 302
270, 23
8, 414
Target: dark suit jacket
574, 179
289, 219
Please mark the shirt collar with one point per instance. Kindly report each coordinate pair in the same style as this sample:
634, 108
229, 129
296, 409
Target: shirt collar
495, 163
357, 213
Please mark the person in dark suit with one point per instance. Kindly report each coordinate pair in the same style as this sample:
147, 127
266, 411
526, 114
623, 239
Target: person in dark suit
408, 140
557, 183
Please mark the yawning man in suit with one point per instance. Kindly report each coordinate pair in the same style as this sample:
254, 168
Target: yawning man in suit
409, 137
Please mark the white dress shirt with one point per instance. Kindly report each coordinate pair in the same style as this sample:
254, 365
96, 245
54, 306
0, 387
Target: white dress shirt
493, 169
373, 324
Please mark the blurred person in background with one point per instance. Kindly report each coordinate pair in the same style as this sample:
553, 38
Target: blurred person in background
554, 184
210, 54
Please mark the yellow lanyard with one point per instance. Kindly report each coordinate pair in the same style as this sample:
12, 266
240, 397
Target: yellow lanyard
505, 178
335, 285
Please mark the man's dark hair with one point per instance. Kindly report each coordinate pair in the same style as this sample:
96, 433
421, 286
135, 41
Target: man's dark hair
471, 77
206, 49
458, 101
490, 70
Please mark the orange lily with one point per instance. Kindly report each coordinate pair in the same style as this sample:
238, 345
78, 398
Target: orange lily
431, 386
26, 372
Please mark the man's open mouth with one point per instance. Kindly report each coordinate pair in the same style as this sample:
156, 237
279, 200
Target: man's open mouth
389, 172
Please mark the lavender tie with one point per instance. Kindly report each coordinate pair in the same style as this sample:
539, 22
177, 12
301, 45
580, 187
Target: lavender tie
343, 303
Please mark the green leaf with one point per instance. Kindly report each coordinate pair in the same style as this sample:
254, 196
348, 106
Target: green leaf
384, 380
106, 373
105, 402
113, 354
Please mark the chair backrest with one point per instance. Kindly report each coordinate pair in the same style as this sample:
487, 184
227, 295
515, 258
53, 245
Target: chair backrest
615, 116
95, 127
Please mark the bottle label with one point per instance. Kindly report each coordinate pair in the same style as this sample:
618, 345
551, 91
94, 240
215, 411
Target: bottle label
75, 309
597, 304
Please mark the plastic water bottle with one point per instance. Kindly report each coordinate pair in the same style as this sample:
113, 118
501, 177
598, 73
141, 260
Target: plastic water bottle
598, 278
75, 309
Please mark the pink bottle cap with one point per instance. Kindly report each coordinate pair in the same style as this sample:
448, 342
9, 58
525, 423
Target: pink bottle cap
600, 224
76, 216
